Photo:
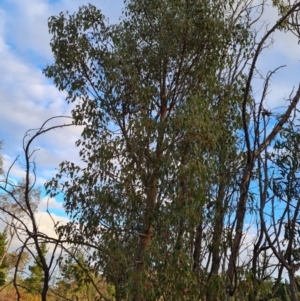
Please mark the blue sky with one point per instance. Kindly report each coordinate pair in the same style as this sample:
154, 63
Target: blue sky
27, 98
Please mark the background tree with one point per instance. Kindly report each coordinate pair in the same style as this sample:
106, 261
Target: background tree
282, 178
24, 225
15, 259
3, 262
79, 280
14, 213
34, 283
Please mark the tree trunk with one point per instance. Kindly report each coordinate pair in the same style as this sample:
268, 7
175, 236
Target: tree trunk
144, 243
197, 247
240, 215
293, 288
218, 231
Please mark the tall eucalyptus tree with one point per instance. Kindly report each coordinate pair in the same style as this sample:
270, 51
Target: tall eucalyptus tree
165, 101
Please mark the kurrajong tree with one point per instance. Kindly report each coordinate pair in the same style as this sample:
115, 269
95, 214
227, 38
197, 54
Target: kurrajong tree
165, 101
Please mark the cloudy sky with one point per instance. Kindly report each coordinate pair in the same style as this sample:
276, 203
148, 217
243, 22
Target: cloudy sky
27, 98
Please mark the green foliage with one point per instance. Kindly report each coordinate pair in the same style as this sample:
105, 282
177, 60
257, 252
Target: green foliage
283, 292
34, 283
78, 279
149, 92
8, 201
13, 257
73, 271
3, 261
285, 184
164, 103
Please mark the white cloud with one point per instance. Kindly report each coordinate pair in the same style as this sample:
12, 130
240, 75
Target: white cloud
284, 43
27, 98
49, 203
28, 21
45, 223
284, 50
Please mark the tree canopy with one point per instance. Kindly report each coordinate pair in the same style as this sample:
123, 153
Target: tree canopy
156, 101
178, 154
159, 94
